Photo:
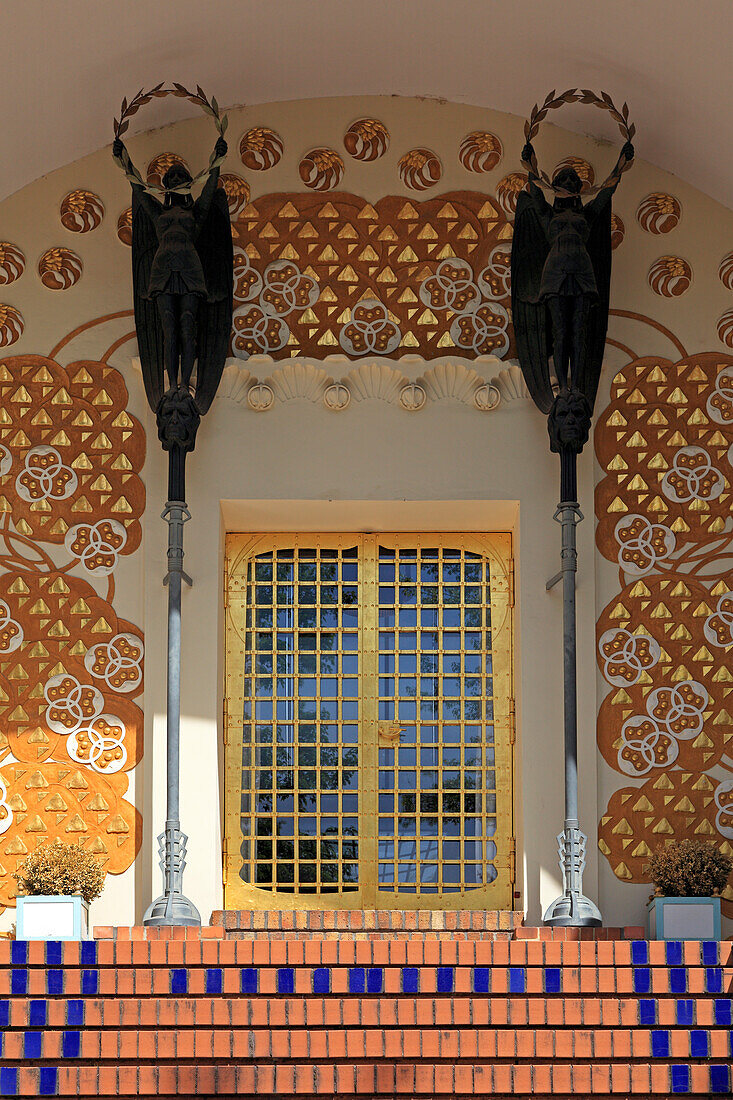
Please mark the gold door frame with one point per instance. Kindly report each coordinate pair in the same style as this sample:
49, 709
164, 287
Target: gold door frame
497, 548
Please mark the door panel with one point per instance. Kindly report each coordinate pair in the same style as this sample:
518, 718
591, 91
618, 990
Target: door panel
368, 721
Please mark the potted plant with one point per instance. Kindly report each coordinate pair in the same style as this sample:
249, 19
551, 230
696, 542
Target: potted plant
689, 877
56, 884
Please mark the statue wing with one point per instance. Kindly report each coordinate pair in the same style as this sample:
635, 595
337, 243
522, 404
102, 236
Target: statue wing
599, 250
215, 315
147, 324
532, 331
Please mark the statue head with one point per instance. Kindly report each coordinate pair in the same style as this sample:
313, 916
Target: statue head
567, 179
177, 176
568, 422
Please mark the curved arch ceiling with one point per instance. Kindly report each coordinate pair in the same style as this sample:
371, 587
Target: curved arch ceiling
66, 66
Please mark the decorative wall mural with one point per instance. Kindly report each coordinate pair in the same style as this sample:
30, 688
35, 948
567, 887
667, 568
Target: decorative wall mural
11, 325
670, 276
618, 231
70, 669
59, 268
480, 151
321, 169
124, 226
659, 213
725, 271
437, 268
12, 263
420, 169
81, 211
508, 190
665, 641
237, 192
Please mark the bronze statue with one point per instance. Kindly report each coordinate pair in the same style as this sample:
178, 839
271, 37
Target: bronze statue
561, 273
182, 273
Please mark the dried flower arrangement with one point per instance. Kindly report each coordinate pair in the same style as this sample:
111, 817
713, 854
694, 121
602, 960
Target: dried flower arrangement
61, 869
689, 869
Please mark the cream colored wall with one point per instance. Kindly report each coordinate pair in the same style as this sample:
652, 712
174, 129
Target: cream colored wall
373, 466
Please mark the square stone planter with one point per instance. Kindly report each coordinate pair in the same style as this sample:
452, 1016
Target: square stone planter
683, 918
42, 917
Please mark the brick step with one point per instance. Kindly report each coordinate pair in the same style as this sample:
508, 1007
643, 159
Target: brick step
422, 1079
387, 1012
390, 921
361, 1044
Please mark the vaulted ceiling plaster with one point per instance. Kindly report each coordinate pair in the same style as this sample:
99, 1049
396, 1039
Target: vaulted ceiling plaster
66, 66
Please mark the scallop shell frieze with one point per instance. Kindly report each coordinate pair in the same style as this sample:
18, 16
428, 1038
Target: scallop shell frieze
670, 276
124, 227
659, 213
260, 149
337, 397
59, 268
487, 397
412, 397
321, 169
12, 263
375, 381
160, 164
480, 151
510, 383
452, 381
420, 169
366, 139
11, 325
81, 211
235, 382
260, 397
299, 380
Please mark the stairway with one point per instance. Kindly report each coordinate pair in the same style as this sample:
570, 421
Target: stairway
262, 1005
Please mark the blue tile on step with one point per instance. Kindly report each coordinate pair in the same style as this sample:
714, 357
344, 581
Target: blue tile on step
445, 979
410, 979
680, 1078
249, 981
32, 1044
482, 979
54, 953
685, 1011
660, 1044
322, 981
553, 979
213, 981
673, 950
709, 949
647, 1013
71, 1044
88, 952
19, 982
8, 1081
357, 979
699, 1044
55, 982
722, 1010
4, 1013
374, 979
90, 983
48, 1081
179, 981
286, 980
678, 980
720, 1080
38, 1013
517, 979
639, 953
75, 1013
714, 979
642, 979
19, 952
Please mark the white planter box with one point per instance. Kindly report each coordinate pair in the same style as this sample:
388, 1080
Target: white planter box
683, 918
42, 917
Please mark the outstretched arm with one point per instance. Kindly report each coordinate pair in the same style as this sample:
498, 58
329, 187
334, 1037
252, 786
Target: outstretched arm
539, 201
151, 205
205, 199
605, 194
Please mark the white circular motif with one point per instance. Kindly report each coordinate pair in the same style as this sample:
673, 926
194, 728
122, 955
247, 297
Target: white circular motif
247, 280
45, 476
70, 704
118, 662
692, 476
644, 746
679, 709
286, 288
257, 332
100, 744
11, 631
6, 812
642, 544
96, 545
720, 403
451, 287
495, 279
6, 460
626, 656
718, 628
370, 330
482, 330
724, 802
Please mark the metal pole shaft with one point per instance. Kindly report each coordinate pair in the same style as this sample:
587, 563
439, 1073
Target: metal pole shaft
174, 686
569, 567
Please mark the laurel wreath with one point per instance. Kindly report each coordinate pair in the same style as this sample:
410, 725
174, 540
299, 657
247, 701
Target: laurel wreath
127, 110
579, 95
